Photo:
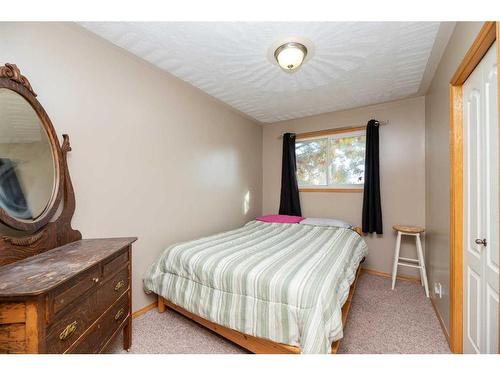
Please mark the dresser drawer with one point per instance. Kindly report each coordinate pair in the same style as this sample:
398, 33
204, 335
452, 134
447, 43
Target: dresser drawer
74, 288
104, 328
70, 326
113, 288
115, 263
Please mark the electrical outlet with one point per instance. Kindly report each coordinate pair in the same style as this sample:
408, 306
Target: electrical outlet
438, 290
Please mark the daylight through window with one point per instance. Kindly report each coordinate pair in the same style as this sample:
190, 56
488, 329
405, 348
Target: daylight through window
334, 161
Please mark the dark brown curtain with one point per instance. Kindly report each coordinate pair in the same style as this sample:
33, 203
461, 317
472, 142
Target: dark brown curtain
289, 201
372, 208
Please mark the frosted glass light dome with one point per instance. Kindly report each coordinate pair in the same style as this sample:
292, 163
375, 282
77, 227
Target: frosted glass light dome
290, 56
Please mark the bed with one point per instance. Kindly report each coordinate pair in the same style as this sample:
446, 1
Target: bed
269, 287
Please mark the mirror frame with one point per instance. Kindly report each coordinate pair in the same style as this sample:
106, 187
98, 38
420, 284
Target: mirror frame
12, 79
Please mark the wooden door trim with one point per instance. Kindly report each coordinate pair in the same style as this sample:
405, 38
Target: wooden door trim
484, 40
498, 98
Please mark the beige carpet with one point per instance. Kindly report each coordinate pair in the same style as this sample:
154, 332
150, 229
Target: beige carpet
380, 321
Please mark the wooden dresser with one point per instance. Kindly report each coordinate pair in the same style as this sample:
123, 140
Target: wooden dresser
58, 293
72, 299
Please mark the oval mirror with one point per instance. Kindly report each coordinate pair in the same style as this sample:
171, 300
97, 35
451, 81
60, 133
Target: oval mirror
27, 165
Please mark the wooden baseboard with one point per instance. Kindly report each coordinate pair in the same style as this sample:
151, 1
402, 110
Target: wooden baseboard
387, 275
441, 322
144, 309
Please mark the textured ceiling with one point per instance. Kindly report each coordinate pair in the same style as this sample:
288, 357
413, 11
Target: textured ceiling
351, 64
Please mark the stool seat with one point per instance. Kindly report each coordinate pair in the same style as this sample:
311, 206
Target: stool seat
408, 229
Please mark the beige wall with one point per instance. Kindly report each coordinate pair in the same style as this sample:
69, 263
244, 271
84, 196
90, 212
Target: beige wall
438, 162
402, 173
152, 156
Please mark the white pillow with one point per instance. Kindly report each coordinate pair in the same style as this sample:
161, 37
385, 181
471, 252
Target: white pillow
326, 222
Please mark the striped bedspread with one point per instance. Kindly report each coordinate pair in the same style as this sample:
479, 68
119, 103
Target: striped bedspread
282, 282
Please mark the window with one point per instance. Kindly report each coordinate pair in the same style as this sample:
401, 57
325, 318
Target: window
331, 161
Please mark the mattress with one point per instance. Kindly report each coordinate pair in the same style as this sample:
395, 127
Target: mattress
282, 282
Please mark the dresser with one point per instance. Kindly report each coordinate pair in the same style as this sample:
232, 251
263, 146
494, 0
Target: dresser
58, 293
73, 299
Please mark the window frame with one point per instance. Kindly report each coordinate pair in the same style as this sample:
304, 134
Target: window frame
332, 134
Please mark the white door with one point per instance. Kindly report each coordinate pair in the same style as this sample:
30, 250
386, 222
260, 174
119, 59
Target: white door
481, 209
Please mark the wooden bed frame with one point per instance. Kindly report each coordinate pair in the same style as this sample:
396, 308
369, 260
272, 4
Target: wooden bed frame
255, 344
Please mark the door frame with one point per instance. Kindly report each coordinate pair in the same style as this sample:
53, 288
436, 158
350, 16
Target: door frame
484, 40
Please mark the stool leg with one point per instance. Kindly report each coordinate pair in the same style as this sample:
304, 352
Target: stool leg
396, 260
422, 264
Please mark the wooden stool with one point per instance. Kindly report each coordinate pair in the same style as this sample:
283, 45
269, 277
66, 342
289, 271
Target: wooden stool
404, 230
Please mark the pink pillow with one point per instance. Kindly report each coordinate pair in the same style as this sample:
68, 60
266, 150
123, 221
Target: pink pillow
286, 219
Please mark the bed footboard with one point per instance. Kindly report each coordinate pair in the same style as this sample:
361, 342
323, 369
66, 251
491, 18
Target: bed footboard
251, 343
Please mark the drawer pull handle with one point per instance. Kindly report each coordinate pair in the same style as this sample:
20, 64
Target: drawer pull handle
120, 284
68, 331
95, 279
119, 314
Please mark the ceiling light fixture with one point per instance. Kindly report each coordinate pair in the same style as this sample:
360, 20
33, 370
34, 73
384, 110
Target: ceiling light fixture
290, 55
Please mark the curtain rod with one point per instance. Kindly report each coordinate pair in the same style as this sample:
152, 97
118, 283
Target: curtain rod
332, 130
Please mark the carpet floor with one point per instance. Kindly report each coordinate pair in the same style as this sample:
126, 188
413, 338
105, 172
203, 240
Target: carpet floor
381, 320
